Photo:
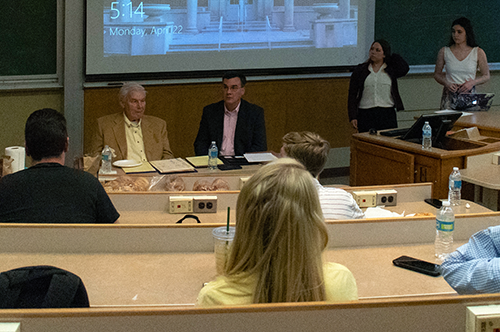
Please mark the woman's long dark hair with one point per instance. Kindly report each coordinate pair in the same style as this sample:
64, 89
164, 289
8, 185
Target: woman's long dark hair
469, 32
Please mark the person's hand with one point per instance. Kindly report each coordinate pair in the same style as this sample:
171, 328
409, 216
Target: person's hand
355, 123
466, 87
452, 86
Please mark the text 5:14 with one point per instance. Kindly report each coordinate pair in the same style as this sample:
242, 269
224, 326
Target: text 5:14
125, 10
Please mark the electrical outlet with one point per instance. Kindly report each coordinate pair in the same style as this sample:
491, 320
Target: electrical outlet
387, 197
243, 181
365, 198
484, 318
180, 204
205, 204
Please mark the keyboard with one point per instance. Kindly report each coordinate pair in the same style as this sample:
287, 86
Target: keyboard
395, 132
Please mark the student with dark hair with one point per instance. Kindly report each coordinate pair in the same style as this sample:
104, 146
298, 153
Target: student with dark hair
461, 60
236, 126
48, 191
373, 89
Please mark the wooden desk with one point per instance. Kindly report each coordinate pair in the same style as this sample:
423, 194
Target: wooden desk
232, 177
481, 181
488, 123
151, 208
175, 279
141, 277
377, 159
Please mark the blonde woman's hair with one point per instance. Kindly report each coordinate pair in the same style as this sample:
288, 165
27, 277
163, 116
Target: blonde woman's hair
308, 148
280, 234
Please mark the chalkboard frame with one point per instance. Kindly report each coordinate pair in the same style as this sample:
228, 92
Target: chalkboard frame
34, 73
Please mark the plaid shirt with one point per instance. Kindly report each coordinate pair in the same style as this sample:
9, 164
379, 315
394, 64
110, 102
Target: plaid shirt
475, 267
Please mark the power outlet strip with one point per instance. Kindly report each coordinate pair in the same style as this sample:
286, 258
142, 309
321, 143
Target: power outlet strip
387, 197
180, 204
365, 198
205, 204
196, 204
243, 181
483, 318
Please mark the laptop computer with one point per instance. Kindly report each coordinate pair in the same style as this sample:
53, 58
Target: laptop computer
472, 102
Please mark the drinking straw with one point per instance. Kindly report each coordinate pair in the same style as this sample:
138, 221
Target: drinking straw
228, 213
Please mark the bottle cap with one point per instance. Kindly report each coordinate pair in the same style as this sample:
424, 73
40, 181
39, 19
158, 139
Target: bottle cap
446, 203
455, 168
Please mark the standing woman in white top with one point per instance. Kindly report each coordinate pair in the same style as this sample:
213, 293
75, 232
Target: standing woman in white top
373, 90
461, 59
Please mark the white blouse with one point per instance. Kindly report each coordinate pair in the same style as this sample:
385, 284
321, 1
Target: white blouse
377, 89
459, 72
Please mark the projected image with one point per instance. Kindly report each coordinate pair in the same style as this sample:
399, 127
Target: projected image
179, 26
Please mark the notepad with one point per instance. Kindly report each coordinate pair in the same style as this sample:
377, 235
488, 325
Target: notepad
143, 168
201, 161
176, 165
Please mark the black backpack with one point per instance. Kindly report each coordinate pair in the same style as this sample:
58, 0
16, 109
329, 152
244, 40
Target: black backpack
41, 287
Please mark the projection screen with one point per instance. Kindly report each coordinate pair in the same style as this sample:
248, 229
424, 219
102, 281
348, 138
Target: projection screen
177, 37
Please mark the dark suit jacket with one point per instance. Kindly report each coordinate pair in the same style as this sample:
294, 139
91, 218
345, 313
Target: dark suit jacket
111, 131
250, 134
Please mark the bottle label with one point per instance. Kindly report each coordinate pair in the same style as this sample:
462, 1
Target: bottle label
457, 184
445, 226
105, 157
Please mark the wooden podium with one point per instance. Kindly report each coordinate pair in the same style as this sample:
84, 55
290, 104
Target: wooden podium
377, 160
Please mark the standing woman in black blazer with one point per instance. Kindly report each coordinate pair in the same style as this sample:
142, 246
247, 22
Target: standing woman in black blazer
373, 90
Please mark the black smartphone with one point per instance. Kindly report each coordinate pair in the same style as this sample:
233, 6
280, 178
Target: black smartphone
417, 265
434, 202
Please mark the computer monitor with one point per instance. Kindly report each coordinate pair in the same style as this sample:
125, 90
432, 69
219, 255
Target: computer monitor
440, 123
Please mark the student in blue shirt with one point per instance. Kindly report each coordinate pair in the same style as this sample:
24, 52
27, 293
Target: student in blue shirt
475, 267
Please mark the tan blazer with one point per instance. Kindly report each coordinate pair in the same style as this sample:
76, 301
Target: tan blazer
111, 131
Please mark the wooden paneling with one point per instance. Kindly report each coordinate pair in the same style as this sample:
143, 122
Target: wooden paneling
318, 105
373, 164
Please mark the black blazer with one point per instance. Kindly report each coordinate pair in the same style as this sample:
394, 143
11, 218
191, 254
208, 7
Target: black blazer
250, 134
396, 68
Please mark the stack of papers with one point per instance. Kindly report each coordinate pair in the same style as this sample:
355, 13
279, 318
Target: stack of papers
260, 157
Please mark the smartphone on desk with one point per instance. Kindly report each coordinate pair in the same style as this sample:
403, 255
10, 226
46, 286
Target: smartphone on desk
417, 265
434, 202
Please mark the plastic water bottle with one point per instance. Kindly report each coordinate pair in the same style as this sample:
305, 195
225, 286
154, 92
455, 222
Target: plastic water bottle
106, 158
455, 187
445, 224
426, 136
213, 153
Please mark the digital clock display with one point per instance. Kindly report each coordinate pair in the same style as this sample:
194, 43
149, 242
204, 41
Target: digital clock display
126, 9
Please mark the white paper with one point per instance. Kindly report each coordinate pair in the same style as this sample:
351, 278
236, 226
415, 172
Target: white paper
259, 157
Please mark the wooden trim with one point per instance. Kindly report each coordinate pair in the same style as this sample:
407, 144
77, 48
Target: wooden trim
12, 314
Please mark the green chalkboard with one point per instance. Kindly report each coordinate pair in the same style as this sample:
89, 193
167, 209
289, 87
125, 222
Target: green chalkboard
417, 29
28, 37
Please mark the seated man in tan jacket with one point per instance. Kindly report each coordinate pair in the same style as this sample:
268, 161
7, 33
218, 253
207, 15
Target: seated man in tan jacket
131, 134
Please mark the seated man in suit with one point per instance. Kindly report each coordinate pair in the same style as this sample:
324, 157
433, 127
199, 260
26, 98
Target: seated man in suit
48, 191
312, 151
234, 124
131, 134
